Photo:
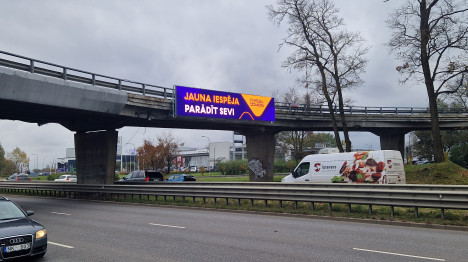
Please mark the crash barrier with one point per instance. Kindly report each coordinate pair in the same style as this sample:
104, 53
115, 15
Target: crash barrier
413, 196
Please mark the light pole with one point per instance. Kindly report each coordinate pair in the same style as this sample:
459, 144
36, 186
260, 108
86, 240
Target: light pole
43, 162
134, 150
36, 159
209, 162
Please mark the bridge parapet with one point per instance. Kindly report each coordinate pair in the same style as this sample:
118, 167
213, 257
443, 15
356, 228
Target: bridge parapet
150, 90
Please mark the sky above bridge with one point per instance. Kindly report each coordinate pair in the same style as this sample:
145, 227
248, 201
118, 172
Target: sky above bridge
222, 45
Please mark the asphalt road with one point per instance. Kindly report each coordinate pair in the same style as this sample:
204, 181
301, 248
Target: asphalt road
95, 231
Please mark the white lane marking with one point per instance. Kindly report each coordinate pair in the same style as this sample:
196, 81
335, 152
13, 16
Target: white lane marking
58, 213
60, 245
161, 225
397, 254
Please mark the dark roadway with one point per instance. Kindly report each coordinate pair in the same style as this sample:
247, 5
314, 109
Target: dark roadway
97, 231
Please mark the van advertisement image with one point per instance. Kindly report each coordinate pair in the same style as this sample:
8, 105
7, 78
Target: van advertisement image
363, 169
373, 167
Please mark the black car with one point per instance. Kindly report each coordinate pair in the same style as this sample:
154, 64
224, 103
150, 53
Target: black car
142, 176
20, 236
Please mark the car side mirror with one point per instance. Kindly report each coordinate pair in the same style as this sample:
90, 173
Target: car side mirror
29, 212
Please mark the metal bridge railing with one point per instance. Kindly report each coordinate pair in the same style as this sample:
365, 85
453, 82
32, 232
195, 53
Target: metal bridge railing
81, 76
68, 73
414, 196
293, 108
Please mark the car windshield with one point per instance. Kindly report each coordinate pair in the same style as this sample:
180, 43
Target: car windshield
8, 210
129, 176
62, 177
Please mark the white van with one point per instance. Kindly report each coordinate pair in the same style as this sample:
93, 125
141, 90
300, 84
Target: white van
378, 167
328, 150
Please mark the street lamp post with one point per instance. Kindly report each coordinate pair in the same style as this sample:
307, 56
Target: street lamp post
209, 161
134, 153
44, 163
36, 159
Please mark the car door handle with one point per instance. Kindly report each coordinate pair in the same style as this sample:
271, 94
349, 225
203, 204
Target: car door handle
307, 180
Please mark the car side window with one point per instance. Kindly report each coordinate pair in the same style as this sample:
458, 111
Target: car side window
134, 174
302, 169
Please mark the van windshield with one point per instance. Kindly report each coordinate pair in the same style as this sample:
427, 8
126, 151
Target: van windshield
302, 169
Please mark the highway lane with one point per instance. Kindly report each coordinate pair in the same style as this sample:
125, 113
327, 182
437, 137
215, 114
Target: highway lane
96, 231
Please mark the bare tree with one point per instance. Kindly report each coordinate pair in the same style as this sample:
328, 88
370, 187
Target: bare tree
149, 157
323, 46
168, 149
460, 97
431, 39
19, 158
295, 140
2, 158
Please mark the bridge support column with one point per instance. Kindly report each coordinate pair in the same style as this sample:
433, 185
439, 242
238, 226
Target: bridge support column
95, 157
392, 141
260, 155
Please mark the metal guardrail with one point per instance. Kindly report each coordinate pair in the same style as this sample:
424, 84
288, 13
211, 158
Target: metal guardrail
292, 108
414, 196
168, 93
417, 187
64, 73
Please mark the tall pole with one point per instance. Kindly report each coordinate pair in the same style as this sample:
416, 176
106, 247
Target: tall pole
36, 159
209, 162
43, 162
134, 150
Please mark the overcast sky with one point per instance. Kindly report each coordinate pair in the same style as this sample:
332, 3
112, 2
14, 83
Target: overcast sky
227, 45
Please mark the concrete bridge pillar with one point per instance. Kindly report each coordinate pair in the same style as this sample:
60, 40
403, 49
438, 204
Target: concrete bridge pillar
260, 155
393, 141
95, 157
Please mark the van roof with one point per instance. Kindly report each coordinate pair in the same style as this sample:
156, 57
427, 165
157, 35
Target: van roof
346, 155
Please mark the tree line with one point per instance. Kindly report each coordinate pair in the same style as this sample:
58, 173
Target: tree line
429, 37
14, 162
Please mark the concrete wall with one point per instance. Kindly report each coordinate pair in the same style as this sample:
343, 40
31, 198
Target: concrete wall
260, 155
95, 157
38, 89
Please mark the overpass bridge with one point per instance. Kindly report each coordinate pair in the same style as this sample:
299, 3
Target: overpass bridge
94, 106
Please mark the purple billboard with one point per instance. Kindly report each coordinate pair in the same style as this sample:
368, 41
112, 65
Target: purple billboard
216, 104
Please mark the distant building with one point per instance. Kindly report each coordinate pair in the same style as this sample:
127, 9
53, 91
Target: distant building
216, 153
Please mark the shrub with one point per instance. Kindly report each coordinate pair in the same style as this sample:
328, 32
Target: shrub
51, 177
282, 166
459, 155
232, 168
202, 170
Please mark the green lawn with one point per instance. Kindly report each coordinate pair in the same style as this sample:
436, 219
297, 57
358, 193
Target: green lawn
446, 173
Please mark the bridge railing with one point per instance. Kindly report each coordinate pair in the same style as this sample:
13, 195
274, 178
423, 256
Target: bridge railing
294, 108
427, 196
67, 73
